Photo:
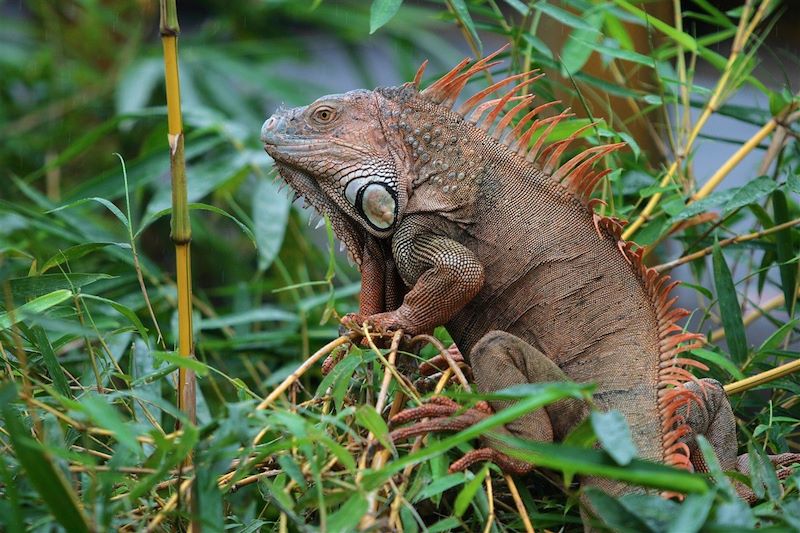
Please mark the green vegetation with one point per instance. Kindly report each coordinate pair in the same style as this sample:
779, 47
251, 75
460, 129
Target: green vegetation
90, 434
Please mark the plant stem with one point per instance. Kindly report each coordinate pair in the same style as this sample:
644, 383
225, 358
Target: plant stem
733, 240
181, 235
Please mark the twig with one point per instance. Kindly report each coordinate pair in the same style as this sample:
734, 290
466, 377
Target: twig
490, 497
523, 513
294, 376
446, 355
733, 240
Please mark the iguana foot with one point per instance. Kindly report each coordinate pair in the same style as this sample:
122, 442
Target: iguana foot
713, 417
447, 415
782, 463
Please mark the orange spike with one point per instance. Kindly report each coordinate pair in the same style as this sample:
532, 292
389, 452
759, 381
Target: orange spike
567, 167
433, 91
508, 117
590, 182
480, 95
540, 141
454, 88
521, 146
563, 145
418, 75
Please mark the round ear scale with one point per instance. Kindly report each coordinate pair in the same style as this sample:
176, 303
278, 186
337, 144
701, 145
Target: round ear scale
377, 203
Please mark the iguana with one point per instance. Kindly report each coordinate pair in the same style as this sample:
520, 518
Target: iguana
460, 215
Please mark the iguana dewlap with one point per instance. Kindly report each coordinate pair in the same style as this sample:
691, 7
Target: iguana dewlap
460, 215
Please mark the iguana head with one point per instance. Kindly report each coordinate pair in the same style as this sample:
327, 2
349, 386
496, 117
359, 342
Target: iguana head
341, 153
367, 158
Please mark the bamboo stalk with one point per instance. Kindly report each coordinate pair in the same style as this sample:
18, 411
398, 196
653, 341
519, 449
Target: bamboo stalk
181, 233
734, 160
764, 377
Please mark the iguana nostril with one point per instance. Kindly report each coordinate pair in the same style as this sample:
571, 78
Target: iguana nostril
270, 128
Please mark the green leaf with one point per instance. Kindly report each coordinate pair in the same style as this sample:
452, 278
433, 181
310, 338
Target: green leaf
339, 379
76, 252
614, 434
124, 310
346, 518
270, 217
463, 16
33, 286
750, 193
189, 363
564, 17
581, 43
693, 513
784, 251
773, 341
48, 480
105, 415
466, 494
613, 513
382, 12
598, 463
684, 39
102, 201
719, 360
34, 307
368, 418
762, 474
729, 307
438, 485
39, 338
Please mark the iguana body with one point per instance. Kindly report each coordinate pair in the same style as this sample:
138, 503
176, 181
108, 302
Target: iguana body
456, 217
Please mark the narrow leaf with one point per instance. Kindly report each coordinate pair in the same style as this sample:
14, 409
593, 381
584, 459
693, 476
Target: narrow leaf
270, 217
729, 307
467, 494
34, 307
784, 251
39, 338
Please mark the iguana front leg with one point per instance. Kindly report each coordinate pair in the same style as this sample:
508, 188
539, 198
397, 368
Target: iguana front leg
712, 417
443, 276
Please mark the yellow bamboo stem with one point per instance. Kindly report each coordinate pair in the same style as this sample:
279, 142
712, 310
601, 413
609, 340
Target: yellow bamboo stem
764, 377
734, 160
181, 235
181, 230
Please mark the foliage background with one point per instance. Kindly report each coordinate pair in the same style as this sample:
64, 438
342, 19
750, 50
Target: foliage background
87, 394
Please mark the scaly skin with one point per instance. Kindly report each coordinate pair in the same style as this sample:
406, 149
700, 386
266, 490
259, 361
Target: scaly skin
460, 221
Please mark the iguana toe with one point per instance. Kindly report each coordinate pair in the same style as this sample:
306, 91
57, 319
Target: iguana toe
507, 464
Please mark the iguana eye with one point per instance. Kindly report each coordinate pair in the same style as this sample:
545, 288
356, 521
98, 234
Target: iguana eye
323, 114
